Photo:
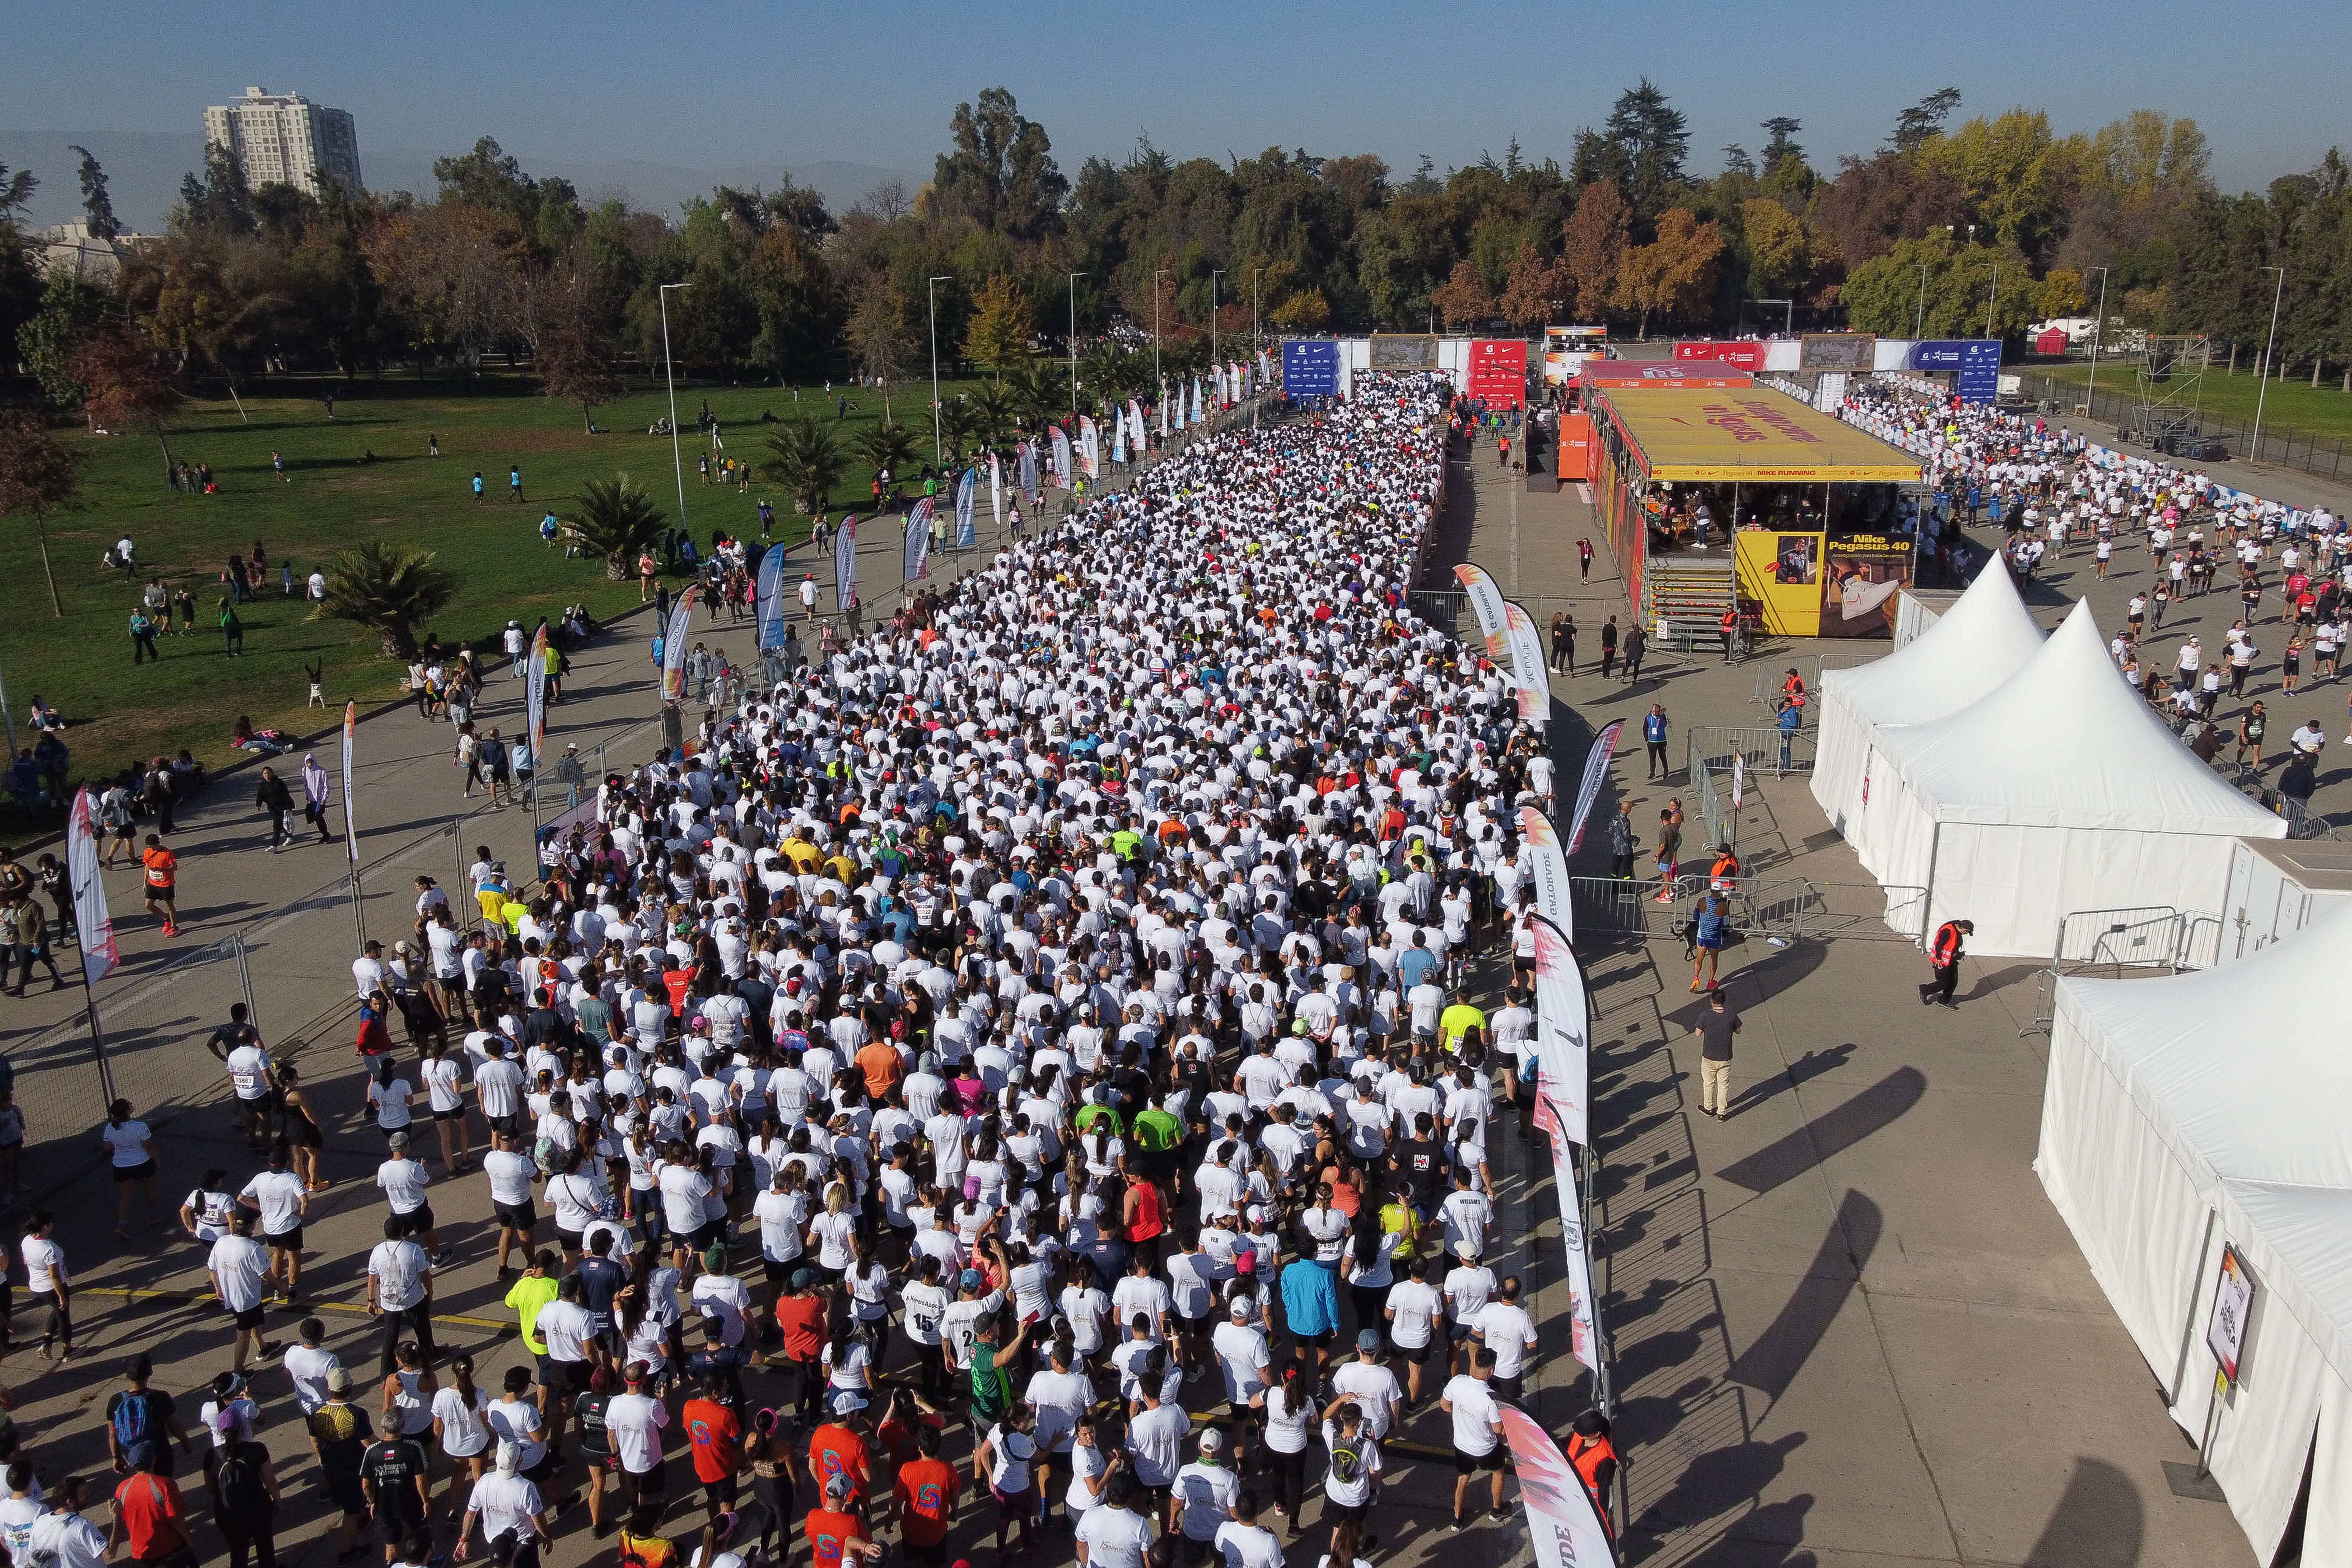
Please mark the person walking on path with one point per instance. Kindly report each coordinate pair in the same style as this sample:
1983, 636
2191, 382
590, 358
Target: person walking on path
314, 794
1563, 643
1710, 922
1943, 958
162, 871
1670, 844
1717, 1024
142, 636
232, 627
514, 482
1788, 718
1585, 560
1636, 640
477, 487
28, 931
274, 797
1654, 741
1607, 647
1622, 842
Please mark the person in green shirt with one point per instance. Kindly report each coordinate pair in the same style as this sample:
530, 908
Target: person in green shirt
534, 1290
1457, 1021
1094, 1112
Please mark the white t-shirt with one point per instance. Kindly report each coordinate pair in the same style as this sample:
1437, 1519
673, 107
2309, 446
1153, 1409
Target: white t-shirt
399, 1269
1475, 1415
510, 1173
465, 1430
632, 1423
1206, 1493
512, 1420
248, 1070
505, 1503
308, 1368
1248, 1545
1156, 1439
403, 1181
1114, 1538
238, 1264
278, 1195
1373, 1386
1415, 1303
1241, 1351
1289, 1418
1509, 1333
127, 1144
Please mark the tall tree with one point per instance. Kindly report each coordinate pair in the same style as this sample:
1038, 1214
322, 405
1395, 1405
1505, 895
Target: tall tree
1002, 173
1462, 298
1782, 131
97, 206
124, 388
1651, 137
1533, 291
1673, 277
1779, 258
1595, 237
38, 475
881, 338
998, 334
1923, 119
217, 200
1735, 160
71, 312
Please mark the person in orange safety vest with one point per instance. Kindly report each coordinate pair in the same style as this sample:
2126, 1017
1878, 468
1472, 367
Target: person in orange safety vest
1943, 958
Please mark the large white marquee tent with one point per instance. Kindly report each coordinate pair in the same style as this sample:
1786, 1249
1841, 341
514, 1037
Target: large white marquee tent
2056, 794
2187, 1114
1984, 638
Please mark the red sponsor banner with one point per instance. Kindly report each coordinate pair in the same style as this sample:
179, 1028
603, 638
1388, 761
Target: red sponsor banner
1498, 371
1739, 356
1622, 372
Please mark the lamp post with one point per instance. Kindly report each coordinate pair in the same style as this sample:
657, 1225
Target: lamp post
677, 456
1992, 299
2254, 447
1074, 343
1156, 274
1791, 305
1214, 273
1919, 317
2098, 330
930, 294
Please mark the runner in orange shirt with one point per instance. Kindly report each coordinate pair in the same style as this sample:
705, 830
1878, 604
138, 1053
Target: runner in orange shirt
835, 1535
926, 1494
162, 883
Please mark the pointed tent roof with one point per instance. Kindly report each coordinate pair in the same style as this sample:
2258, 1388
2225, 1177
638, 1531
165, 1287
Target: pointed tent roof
1984, 638
2065, 743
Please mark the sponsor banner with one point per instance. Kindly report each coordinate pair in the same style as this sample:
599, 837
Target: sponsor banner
1584, 1335
1498, 371
1863, 577
1588, 789
996, 490
918, 541
1564, 1030
83, 874
1737, 356
1856, 352
1061, 457
1623, 372
772, 596
1525, 645
1029, 473
1564, 1520
1136, 434
967, 490
1486, 604
1196, 415
350, 818
1974, 364
534, 689
1546, 868
1311, 370
1403, 351
845, 562
1090, 446
681, 624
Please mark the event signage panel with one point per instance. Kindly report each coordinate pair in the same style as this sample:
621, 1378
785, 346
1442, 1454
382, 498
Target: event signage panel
1627, 373
1498, 371
1838, 351
1748, 356
1973, 362
1403, 351
1310, 369
2233, 1302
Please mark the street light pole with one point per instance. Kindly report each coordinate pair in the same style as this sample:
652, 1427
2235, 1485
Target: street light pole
1993, 299
1074, 343
2254, 447
2098, 330
677, 457
1919, 317
939, 452
1215, 274
1158, 273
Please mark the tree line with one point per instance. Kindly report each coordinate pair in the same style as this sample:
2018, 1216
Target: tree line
1947, 229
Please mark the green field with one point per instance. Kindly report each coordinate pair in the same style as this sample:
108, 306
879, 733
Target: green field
334, 498
2291, 405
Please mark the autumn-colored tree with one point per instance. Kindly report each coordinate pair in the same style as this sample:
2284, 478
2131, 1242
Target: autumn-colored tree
1305, 312
998, 335
1779, 251
1674, 276
38, 474
1462, 298
879, 337
126, 390
1594, 247
459, 267
2061, 294
574, 327
1533, 291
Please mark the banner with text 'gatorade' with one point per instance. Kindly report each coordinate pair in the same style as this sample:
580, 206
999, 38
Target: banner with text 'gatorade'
1584, 1333
534, 695
681, 625
1563, 1031
1562, 1518
83, 873
771, 597
1526, 644
1486, 604
918, 541
1546, 868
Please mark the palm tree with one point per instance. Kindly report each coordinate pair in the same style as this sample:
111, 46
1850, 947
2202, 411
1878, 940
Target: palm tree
958, 426
891, 446
992, 414
389, 588
614, 520
808, 462
1038, 391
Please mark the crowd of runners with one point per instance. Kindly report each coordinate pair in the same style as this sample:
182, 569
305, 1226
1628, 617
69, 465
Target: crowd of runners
1024, 1072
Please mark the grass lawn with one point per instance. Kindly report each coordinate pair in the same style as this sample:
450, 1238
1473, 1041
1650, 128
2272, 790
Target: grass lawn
2291, 405
118, 714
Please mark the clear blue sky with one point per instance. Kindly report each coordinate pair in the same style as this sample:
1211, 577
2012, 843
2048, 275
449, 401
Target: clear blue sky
715, 85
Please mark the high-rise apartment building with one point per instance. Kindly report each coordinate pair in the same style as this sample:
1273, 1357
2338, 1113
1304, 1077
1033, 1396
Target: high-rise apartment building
285, 139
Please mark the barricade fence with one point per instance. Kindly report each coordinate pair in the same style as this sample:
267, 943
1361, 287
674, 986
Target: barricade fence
1809, 668
2109, 944
1713, 754
1781, 909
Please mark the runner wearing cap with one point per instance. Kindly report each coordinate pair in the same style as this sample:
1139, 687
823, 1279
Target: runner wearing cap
1202, 1498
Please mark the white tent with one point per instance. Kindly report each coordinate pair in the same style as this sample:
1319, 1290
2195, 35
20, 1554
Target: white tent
2186, 1114
2059, 793
1983, 639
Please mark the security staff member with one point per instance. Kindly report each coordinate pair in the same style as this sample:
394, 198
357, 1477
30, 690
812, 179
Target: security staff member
1943, 956
1594, 1458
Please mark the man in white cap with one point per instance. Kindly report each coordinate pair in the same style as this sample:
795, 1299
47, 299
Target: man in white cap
1202, 1498
508, 1504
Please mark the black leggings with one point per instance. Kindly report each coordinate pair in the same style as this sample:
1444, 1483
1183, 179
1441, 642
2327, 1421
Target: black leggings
256, 1538
1371, 1302
1289, 1478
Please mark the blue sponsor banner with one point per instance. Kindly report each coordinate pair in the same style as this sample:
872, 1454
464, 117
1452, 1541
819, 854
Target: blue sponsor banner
1974, 363
1310, 369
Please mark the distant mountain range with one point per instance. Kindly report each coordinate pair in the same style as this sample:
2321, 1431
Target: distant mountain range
143, 170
